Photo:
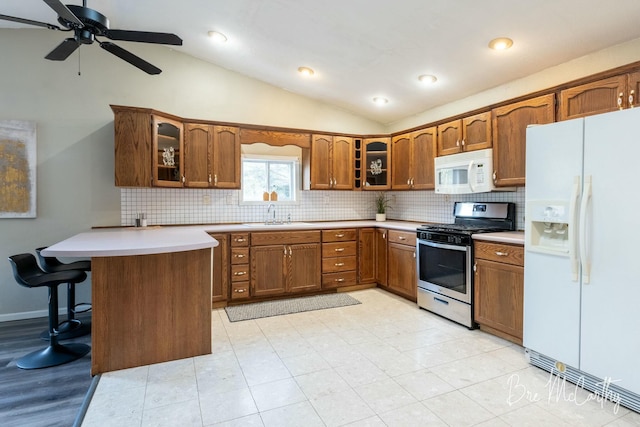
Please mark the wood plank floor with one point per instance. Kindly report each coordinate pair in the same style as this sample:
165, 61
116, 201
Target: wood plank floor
39, 397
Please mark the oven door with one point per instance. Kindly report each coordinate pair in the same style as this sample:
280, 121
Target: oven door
445, 269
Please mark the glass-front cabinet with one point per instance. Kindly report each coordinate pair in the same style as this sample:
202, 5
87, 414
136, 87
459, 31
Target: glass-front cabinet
377, 160
168, 149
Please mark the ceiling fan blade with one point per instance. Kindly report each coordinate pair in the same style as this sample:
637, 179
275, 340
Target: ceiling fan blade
30, 22
130, 58
144, 37
64, 12
63, 50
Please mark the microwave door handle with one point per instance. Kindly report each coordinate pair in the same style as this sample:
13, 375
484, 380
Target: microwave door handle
469, 175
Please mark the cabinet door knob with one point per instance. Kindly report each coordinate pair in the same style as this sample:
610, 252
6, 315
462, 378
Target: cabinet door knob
457, 143
215, 179
620, 100
462, 142
495, 176
631, 98
209, 178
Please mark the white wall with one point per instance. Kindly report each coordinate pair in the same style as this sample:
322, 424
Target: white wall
75, 189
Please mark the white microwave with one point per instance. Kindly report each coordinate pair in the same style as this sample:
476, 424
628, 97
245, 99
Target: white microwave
465, 173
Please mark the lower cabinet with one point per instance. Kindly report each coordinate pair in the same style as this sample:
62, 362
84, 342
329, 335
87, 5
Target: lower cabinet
220, 287
339, 258
499, 289
401, 257
367, 255
380, 256
285, 262
239, 266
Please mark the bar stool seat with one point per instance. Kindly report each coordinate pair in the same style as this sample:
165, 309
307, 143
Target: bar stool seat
28, 274
72, 327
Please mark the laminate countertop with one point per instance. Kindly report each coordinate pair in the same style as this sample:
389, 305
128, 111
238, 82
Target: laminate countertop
513, 237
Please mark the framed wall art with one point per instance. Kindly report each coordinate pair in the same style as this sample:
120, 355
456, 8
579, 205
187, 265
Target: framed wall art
17, 169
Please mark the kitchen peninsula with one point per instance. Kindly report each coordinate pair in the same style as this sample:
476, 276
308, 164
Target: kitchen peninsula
151, 293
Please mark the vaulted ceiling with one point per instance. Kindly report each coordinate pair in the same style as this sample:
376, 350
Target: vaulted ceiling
361, 49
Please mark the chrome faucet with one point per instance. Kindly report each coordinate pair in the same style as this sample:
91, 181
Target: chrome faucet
273, 217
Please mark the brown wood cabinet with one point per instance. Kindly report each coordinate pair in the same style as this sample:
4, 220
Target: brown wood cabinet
168, 152
499, 289
339, 258
212, 156
240, 272
412, 160
133, 147
332, 166
467, 134
381, 257
285, 262
601, 96
366, 255
377, 164
220, 287
509, 136
402, 277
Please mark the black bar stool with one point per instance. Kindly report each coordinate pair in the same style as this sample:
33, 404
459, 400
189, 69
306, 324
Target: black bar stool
28, 274
72, 327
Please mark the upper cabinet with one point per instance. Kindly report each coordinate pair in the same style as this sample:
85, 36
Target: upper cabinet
377, 163
332, 166
412, 165
168, 151
212, 156
509, 136
601, 96
133, 147
467, 134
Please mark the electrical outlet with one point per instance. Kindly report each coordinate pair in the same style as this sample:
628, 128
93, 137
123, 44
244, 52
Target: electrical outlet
206, 200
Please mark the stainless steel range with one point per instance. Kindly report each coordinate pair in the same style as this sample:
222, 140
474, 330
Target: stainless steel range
445, 256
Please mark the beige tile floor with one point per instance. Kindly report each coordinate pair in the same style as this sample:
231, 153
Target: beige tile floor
381, 363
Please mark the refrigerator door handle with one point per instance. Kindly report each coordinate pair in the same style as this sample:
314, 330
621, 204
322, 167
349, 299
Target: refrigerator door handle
584, 258
573, 237
469, 175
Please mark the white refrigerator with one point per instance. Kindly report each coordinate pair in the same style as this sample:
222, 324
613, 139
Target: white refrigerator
582, 252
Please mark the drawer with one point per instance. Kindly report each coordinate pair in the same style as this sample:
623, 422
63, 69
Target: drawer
240, 290
402, 237
284, 237
239, 272
239, 239
240, 255
336, 264
499, 252
339, 235
338, 249
336, 280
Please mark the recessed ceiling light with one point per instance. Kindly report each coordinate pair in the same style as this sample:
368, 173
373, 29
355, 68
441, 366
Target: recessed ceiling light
306, 71
217, 37
380, 100
427, 78
500, 43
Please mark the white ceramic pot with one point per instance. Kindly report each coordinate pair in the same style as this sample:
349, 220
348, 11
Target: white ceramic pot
381, 217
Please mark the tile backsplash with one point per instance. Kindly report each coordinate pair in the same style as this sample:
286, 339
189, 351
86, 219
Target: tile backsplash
205, 206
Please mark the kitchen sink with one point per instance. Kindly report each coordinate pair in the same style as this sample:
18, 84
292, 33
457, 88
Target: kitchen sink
276, 224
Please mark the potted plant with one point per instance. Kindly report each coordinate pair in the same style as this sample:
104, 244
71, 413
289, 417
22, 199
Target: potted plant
383, 202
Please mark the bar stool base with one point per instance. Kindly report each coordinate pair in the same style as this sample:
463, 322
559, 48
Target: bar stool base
53, 355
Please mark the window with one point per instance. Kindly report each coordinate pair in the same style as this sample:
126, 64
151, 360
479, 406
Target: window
262, 174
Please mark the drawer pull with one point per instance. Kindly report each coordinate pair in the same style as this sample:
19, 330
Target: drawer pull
340, 280
239, 273
339, 264
340, 235
240, 239
402, 238
239, 256
239, 291
339, 249
502, 253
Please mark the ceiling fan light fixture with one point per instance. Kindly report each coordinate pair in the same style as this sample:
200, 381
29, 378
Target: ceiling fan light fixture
501, 43
427, 79
306, 71
379, 100
217, 37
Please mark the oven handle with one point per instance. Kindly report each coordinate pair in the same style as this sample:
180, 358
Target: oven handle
443, 246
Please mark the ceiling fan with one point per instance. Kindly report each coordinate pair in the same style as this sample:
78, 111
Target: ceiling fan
87, 24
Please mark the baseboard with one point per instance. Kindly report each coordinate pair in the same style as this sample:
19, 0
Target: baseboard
28, 315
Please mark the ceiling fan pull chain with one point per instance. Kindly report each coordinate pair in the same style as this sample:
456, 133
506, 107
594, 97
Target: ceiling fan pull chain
79, 71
